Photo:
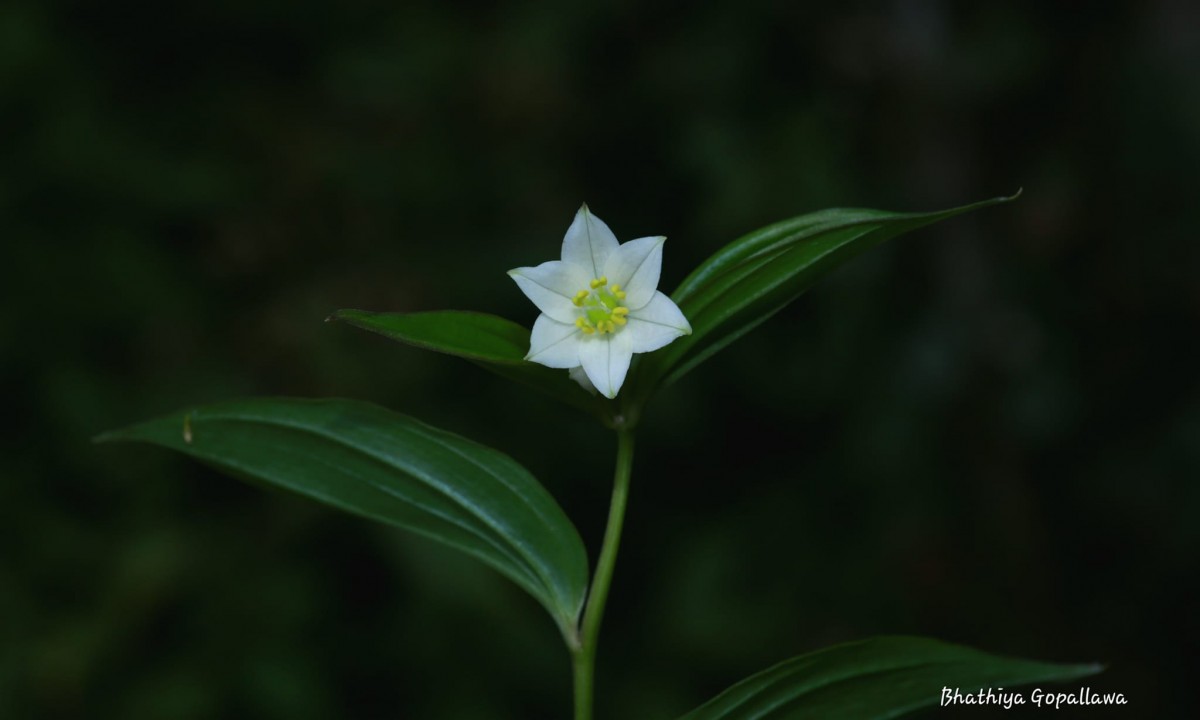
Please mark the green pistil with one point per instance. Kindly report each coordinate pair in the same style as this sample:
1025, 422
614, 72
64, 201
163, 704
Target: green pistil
603, 311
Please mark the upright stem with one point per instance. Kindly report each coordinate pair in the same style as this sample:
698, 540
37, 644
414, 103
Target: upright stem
584, 655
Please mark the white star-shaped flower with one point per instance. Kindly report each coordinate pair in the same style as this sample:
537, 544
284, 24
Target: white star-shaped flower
600, 304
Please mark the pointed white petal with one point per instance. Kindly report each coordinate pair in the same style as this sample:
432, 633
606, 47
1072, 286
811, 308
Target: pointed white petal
656, 324
635, 266
554, 344
605, 359
578, 375
552, 286
588, 243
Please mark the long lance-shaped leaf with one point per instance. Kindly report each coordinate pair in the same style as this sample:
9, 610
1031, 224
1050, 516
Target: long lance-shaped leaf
755, 276
490, 341
875, 679
389, 467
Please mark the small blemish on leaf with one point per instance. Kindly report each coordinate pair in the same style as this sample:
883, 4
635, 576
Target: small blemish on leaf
187, 429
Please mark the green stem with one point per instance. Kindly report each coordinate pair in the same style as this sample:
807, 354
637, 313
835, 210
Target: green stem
584, 655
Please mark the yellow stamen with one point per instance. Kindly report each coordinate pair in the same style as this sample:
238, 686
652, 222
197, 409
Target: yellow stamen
602, 311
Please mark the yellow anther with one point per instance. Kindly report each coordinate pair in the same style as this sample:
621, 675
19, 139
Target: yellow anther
602, 311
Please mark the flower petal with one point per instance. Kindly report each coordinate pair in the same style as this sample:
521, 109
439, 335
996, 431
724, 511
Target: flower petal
656, 324
605, 359
578, 375
635, 266
554, 344
552, 286
588, 242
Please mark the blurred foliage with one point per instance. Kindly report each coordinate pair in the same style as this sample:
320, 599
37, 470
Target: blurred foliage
988, 432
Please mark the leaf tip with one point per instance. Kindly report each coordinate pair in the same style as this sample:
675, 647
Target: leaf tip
354, 317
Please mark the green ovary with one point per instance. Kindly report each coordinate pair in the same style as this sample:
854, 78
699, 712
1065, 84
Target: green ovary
602, 308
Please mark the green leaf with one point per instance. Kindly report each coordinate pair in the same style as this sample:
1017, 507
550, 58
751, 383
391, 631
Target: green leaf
754, 277
489, 341
875, 679
471, 335
366, 460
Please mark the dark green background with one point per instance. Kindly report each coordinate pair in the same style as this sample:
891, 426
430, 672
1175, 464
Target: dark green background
986, 432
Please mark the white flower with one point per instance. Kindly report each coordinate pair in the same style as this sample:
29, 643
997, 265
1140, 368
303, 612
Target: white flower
600, 304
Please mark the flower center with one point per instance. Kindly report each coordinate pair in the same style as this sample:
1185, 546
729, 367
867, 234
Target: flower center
601, 307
